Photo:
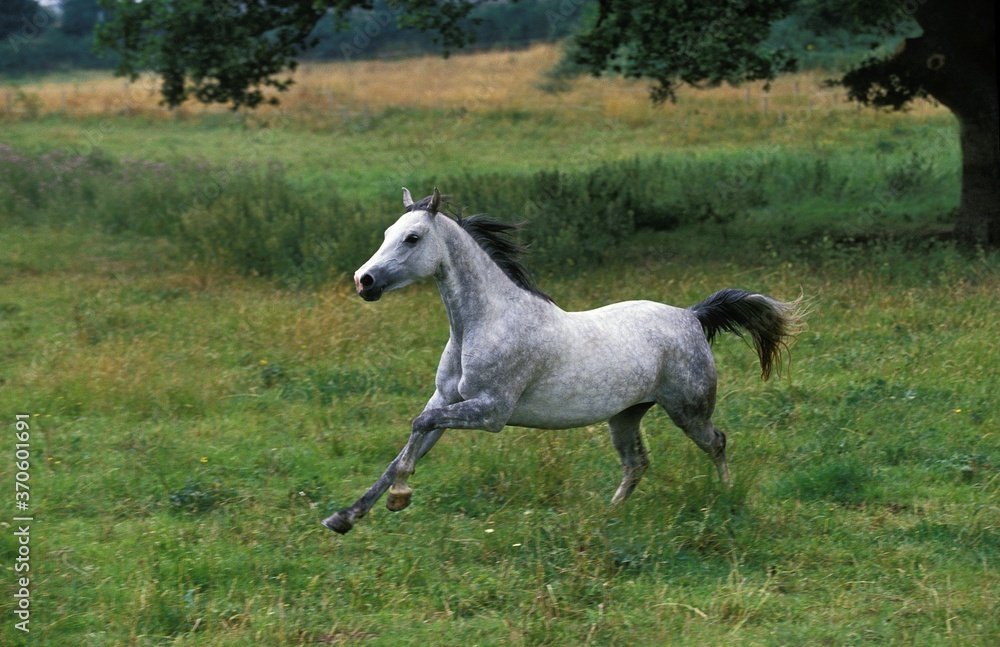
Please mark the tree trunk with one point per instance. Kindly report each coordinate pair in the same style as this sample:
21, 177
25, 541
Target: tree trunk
955, 61
978, 222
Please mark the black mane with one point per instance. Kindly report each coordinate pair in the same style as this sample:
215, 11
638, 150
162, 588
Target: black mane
495, 238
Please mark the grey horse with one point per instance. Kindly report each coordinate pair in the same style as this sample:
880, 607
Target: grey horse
515, 358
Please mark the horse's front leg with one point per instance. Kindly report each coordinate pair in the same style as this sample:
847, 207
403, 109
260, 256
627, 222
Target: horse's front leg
343, 520
483, 412
399, 492
418, 445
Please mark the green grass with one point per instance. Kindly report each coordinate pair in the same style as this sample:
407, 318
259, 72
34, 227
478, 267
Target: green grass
263, 205
369, 154
192, 425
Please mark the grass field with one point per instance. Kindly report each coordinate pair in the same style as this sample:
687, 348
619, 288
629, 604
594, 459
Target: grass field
191, 423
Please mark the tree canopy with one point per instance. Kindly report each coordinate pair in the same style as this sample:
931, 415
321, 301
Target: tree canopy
79, 17
685, 42
228, 51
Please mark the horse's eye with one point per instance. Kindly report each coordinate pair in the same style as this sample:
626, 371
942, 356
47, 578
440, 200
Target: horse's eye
412, 239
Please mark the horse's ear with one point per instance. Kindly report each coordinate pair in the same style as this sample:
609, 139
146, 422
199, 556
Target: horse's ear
435, 201
407, 198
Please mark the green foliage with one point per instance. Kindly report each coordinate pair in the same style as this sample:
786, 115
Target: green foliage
910, 176
217, 52
260, 225
232, 50
360, 33
694, 43
245, 218
578, 218
79, 17
815, 43
259, 221
575, 218
22, 18
678, 42
31, 44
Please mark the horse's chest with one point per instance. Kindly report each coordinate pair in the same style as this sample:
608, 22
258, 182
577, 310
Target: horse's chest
493, 365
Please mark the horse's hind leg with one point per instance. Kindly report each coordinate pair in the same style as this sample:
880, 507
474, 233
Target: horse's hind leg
628, 443
711, 440
717, 452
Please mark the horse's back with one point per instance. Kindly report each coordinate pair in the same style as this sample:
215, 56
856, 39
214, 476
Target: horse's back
649, 315
648, 334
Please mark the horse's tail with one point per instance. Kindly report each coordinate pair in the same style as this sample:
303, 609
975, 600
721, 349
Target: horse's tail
772, 324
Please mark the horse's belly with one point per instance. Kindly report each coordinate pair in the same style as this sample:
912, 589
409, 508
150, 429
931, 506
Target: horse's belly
581, 400
563, 415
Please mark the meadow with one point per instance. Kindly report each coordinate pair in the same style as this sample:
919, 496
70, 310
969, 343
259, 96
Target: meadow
203, 386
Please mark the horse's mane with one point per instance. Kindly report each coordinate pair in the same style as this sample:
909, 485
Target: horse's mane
495, 237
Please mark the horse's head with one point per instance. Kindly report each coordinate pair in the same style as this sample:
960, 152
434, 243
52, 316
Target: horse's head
412, 250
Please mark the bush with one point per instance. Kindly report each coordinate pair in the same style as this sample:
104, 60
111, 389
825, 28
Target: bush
63, 188
256, 220
262, 226
579, 217
573, 218
243, 217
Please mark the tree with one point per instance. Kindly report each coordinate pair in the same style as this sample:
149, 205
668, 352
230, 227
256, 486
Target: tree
227, 51
948, 53
79, 17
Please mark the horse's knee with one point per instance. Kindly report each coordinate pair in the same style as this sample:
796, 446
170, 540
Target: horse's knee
639, 463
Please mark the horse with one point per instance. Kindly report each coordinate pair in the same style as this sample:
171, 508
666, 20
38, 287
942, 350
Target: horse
516, 358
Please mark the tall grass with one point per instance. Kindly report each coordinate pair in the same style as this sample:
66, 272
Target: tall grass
257, 220
479, 82
242, 217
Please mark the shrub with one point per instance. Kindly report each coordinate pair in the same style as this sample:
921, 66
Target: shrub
258, 221
244, 217
258, 225
575, 218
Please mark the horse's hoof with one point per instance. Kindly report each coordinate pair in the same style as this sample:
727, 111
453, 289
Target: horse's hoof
398, 499
340, 522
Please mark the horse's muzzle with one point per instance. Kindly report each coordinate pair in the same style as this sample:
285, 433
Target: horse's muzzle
368, 288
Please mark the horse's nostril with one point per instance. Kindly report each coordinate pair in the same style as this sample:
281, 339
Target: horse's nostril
367, 281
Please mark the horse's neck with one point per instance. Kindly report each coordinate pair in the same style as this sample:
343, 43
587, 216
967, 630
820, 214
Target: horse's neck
473, 287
